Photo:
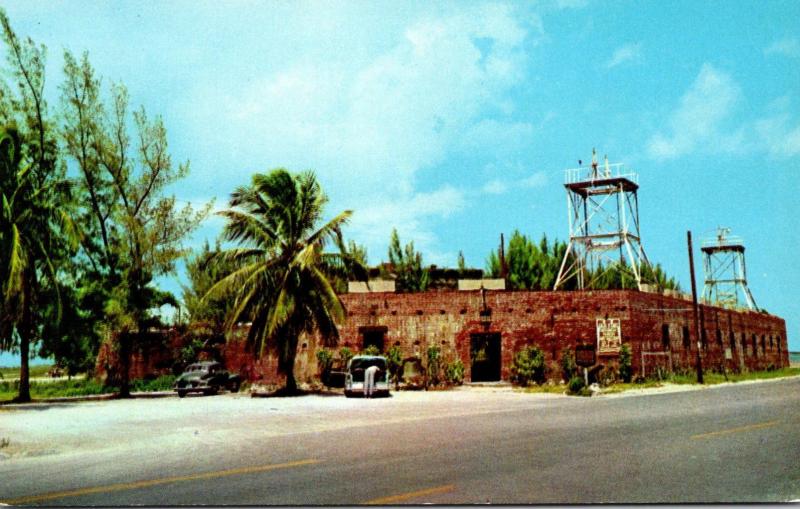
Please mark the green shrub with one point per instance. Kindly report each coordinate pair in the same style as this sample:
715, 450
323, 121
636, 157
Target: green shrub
371, 350
625, 363
188, 354
433, 368
454, 372
568, 365
576, 384
528, 366
394, 358
324, 359
345, 354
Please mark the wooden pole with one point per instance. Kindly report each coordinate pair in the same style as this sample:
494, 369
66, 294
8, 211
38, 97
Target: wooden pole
698, 360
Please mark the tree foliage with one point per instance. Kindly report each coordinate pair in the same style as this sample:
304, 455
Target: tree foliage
204, 269
534, 266
530, 266
282, 283
36, 228
133, 229
407, 267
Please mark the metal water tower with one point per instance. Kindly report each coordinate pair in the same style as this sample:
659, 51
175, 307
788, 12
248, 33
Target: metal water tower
603, 210
725, 274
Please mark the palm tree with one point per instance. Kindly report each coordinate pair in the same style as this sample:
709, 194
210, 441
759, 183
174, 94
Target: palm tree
30, 224
282, 284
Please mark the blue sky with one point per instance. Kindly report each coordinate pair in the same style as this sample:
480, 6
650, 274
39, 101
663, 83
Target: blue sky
453, 122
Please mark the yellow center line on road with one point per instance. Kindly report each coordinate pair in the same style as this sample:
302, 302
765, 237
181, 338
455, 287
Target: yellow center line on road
411, 495
751, 427
154, 482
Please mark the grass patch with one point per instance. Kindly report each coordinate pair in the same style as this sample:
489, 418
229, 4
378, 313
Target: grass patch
718, 378
622, 387
56, 389
162, 383
81, 387
544, 389
708, 379
13, 372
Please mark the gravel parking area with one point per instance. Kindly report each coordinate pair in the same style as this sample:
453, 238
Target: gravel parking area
165, 424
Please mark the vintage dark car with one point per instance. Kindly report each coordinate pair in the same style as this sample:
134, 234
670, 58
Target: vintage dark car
207, 377
335, 373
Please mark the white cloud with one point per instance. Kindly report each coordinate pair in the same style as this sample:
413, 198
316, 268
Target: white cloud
499, 186
495, 186
538, 179
373, 222
699, 117
627, 53
788, 47
370, 125
778, 136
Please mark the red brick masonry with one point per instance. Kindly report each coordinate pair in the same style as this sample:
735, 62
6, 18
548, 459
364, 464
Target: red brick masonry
649, 323
659, 326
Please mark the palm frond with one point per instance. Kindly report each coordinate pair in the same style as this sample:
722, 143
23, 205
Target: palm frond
16, 265
244, 227
232, 281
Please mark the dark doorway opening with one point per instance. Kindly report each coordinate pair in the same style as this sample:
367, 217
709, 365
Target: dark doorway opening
485, 356
373, 336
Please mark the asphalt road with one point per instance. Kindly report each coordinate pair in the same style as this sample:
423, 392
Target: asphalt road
737, 443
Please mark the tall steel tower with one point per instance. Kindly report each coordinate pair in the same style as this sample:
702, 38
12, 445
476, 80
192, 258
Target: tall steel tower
603, 210
725, 275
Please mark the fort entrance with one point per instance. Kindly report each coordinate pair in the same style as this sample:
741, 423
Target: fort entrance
485, 356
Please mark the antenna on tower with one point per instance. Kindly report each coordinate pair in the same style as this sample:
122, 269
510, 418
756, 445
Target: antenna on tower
725, 272
603, 226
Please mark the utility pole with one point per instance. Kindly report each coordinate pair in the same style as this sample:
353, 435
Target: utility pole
698, 361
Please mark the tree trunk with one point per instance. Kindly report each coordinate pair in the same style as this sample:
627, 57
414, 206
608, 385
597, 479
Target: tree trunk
291, 383
287, 364
24, 331
24, 395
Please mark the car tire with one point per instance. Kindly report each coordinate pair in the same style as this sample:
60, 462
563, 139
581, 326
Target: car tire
348, 394
181, 394
211, 391
235, 387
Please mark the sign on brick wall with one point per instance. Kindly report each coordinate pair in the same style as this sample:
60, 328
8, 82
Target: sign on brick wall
609, 337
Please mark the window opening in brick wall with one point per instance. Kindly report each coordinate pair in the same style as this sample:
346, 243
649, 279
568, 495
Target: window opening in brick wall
719, 338
703, 338
763, 344
780, 345
732, 337
665, 336
771, 344
686, 342
372, 336
755, 346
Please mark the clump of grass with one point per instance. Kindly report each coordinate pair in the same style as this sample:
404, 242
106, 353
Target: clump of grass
544, 389
162, 383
